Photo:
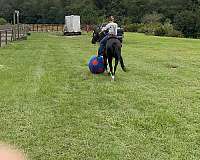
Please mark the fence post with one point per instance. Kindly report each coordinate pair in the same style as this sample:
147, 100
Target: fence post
12, 38
24, 31
6, 37
18, 31
57, 27
0, 38
15, 32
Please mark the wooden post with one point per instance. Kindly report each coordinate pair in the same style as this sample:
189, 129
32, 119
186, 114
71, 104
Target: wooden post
14, 19
6, 37
20, 32
57, 27
12, 38
24, 31
37, 27
0, 38
17, 31
15, 34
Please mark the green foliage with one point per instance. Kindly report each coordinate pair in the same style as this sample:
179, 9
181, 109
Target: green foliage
152, 18
188, 22
132, 27
151, 29
2, 21
175, 33
184, 14
170, 31
157, 29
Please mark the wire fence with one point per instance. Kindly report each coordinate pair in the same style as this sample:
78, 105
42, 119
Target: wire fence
55, 27
46, 27
10, 33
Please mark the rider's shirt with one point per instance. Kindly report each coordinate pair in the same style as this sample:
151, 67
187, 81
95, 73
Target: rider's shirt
111, 27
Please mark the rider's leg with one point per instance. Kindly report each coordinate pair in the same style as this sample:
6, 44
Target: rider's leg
102, 46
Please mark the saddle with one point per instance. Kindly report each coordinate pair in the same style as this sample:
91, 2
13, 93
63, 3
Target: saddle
112, 36
115, 37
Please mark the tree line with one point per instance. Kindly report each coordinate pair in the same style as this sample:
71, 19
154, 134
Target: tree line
183, 15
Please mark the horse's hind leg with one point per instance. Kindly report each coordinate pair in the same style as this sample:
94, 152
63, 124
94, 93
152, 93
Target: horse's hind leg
116, 64
111, 68
105, 62
110, 64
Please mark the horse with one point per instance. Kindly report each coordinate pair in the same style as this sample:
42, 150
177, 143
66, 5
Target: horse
113, 50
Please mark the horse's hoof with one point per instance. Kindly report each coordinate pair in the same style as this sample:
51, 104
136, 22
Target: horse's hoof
112, 78
124, 69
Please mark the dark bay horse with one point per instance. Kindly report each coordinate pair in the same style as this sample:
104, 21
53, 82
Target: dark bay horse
113, 50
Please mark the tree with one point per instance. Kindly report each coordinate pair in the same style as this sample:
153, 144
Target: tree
188, 22
152, 18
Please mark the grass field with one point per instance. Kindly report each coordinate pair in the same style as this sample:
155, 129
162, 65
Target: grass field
54, 109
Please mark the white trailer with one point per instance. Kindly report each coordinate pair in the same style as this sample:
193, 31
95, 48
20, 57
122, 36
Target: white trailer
72, 25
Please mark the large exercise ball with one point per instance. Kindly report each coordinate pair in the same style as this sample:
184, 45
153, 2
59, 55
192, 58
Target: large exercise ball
96, 64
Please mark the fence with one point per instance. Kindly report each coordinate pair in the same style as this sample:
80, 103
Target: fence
54, 27
11, 33
46, 27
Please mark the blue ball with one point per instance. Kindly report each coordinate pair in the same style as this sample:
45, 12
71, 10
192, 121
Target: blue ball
96, 64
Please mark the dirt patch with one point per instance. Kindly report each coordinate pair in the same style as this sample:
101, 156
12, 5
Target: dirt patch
172, 66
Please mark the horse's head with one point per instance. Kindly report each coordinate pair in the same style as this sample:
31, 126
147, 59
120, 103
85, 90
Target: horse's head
97, 35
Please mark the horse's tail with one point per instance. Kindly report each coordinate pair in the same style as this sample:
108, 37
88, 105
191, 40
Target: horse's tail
117, 52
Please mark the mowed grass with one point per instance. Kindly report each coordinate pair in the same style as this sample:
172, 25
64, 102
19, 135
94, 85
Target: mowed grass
54, 109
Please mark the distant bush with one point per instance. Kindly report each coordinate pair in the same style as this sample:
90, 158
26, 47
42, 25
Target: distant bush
132, 27
170, 31
175, 33
159, 31
156, 29
152, 18
2, 21
152, 29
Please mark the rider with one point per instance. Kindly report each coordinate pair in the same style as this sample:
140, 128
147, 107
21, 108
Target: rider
111, 27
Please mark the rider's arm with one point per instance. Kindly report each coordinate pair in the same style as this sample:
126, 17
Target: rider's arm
106, 27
